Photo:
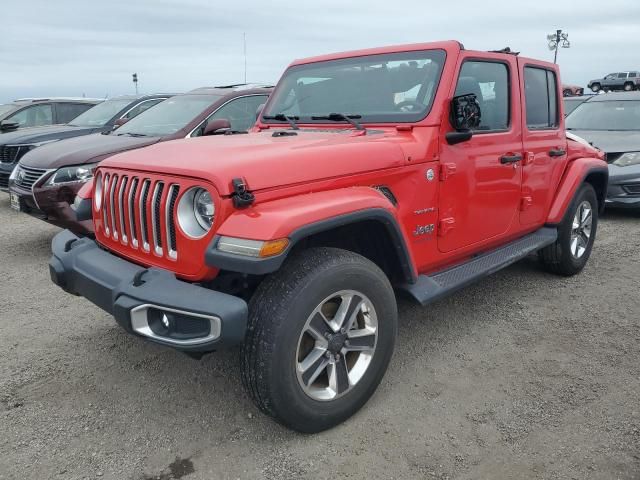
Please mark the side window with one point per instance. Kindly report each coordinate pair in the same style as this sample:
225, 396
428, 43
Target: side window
622, 75
632, 74
489, 81
541, 98
68, 111
33, 116
141, 107
241, 113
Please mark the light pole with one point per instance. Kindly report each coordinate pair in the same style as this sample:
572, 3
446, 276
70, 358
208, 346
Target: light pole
557, 40
135, 81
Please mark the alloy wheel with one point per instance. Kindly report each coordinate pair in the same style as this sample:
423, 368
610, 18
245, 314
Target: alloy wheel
581, 229
336, 345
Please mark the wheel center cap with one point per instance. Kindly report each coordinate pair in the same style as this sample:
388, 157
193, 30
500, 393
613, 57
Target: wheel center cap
336, 342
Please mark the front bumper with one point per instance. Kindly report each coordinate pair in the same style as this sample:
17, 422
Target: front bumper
141, 299
53, 205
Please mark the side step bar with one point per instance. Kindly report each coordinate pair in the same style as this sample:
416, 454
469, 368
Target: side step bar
429, 288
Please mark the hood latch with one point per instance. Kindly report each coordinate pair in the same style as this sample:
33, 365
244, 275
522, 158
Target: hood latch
242, 197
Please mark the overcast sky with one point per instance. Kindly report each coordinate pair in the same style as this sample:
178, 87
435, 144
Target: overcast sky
76, 47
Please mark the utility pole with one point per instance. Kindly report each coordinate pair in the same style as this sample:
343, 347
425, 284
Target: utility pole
135, 81
557, 40
244, 43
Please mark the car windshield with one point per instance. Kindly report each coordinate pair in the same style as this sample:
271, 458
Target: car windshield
570, 104
608, 115
167, 117
6, 108
397, 87
99, 115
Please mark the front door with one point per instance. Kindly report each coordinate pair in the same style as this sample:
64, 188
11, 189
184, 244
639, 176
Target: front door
544, 141
481, 178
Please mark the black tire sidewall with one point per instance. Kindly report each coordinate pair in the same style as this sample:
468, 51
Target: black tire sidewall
573, 264
289, 401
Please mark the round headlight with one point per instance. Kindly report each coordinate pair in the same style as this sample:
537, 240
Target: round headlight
196, 212
97, 192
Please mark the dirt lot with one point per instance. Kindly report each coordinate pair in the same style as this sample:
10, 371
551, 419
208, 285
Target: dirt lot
525, 375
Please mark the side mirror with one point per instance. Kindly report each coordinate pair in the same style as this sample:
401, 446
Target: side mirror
217, 127
6, 125
119, 122
465, 117
259, 110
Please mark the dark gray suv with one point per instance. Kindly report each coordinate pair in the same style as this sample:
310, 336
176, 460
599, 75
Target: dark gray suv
36, 112
626, 81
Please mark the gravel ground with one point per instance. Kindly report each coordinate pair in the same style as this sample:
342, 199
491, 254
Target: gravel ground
525, 375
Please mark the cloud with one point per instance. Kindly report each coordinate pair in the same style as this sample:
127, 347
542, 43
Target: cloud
77, 47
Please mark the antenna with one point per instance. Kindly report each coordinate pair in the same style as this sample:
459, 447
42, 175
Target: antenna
244, 42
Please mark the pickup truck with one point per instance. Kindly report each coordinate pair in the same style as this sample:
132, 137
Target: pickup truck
416, 168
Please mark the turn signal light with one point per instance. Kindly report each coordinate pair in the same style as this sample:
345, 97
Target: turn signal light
274, 247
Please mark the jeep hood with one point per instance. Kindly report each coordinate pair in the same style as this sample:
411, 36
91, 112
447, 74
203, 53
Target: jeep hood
85, 149
267, 161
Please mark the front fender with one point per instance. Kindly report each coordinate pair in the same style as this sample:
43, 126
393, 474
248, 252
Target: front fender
298, 217
578, 171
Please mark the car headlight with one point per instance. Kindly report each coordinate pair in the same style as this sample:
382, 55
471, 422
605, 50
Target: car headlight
76, 173
196, 212
627, 159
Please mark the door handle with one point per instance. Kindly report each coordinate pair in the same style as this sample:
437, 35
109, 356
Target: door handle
557, 152
509, 158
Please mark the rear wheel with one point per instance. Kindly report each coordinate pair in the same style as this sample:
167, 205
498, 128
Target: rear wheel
595, 87
321, 334
569, 253
628, 87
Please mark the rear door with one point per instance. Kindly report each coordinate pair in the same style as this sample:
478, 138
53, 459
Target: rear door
480, 178
544, 140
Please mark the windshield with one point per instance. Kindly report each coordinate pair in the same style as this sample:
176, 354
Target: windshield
395, 87
570, 104
167, 117
608, 115
99, 115
6, 108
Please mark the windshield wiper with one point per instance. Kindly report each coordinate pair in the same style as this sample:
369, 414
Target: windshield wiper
281, 117
131, 134
341, 117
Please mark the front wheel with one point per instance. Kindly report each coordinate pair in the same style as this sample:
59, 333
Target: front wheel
320, 337
595, 88
569, 253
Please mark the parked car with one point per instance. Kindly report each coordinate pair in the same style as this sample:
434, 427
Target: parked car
612, 123
366, 171
101, 118
36, 112
47, 179
627, 81
571, 103
572, 90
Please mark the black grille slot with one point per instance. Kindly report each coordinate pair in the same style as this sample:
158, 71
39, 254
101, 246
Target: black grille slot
131, 209
155, 221
4, 180
123, 231
144, 224
11, 154
169, 219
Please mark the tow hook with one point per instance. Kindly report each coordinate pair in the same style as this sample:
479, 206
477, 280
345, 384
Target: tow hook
242, 197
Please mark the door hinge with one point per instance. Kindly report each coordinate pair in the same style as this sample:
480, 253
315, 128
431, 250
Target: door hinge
525, 203
446, 170
446, 225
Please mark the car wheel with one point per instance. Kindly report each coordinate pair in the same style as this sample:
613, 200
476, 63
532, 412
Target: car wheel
576, 233
628, 87
320, 337
595, 87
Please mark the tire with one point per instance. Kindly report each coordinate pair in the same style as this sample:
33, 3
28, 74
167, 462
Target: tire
595, 87
628, 87
278, 338
564, 257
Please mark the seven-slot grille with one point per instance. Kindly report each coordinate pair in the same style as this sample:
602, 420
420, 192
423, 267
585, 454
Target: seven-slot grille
136, 212
26, 177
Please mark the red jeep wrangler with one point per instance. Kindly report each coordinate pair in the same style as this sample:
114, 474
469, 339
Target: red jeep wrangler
420, 168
